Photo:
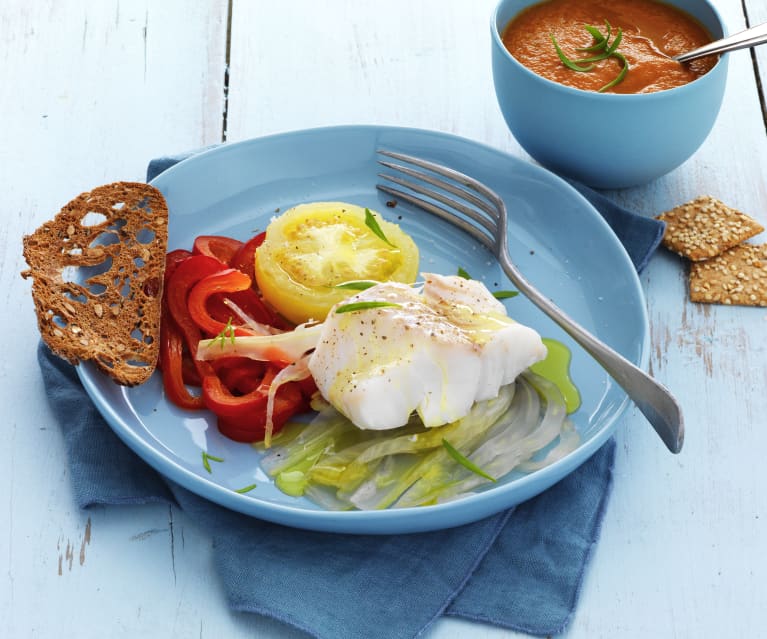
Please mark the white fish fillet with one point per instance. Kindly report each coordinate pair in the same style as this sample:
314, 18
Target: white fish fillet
437, 352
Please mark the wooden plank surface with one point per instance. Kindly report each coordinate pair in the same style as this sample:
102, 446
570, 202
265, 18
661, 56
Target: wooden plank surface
91, 91
756, 13
95, 89
344, 62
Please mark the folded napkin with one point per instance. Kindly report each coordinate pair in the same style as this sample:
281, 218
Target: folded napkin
521, 569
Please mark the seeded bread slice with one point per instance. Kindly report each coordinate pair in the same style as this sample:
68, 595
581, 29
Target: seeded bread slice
98, 270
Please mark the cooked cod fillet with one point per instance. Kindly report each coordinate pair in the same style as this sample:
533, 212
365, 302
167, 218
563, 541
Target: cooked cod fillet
436, 351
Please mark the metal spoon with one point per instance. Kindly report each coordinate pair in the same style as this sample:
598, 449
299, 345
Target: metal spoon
748, 38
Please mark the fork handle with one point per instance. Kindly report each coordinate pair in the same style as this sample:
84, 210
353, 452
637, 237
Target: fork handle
653, 399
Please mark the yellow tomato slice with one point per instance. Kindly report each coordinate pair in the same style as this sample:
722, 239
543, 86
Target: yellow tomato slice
312, 248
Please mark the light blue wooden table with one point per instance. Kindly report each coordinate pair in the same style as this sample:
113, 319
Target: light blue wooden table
92, 90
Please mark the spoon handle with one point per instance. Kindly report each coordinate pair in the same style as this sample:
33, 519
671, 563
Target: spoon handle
748, 38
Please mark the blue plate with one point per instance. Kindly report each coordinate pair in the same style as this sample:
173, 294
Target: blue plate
557, 238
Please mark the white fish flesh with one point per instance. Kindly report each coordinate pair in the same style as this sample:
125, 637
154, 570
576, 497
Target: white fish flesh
435, 351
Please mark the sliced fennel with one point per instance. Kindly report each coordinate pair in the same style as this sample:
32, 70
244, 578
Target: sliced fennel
341, 467
287, 347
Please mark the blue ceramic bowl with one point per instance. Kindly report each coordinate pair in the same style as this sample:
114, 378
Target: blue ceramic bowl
641, 137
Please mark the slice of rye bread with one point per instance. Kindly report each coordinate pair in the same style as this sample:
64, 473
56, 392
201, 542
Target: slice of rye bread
98, 269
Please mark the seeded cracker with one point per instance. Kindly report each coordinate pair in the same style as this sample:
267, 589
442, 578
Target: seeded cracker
705, 227
737, 276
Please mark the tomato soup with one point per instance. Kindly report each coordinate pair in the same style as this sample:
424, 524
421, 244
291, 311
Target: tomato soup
647, 33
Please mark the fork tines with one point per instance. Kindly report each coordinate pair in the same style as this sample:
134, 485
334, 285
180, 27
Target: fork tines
477, 202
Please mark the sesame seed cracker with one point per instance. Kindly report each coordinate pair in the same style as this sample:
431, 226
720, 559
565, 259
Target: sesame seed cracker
737, 276
706, 227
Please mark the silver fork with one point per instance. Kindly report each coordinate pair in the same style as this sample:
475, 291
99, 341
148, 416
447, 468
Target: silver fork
484, 218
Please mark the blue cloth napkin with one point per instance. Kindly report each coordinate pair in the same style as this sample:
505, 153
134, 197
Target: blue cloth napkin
521, 569
639, 235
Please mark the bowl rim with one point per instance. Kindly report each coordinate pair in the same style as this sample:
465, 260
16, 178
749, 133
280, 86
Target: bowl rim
595, 95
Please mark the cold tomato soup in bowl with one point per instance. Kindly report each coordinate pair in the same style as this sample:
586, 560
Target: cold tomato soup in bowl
590, 90
640, 39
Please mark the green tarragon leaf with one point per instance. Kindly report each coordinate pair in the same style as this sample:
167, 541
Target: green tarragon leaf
599, 38
206, 459
606, 48
462, 272
620, 76
245, 489
499, 295
362, 306
570, 64
228, 332
372, 224
466, 463
357, 285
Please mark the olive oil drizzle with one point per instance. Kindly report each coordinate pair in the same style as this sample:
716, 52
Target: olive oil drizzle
556, 368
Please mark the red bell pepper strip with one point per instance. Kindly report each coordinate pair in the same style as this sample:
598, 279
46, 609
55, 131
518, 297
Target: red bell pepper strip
189, 370
186, 275
245, 258
240, 430
227, 281
173, 259
249, 302
240, 375
221, 401
246, 414
171, 354
308, 386
218, 246
172, 360
249, 428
